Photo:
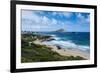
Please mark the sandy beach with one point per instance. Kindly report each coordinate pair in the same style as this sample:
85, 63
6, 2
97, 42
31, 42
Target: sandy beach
65, 52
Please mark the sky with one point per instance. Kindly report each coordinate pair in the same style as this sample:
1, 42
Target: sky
45, 21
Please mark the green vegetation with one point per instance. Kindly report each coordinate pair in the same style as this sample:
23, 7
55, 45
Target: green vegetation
40, 53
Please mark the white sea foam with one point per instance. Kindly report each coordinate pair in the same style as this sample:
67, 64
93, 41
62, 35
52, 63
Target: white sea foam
53, 35
67, 45
56, 38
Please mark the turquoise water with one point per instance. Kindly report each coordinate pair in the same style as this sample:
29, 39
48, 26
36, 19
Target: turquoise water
73, 40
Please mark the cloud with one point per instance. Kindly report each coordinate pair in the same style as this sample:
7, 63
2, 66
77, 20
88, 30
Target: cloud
35, 22
80, 16
30, 16
54, 21
46, 21
65, 14
88, 19
83, 19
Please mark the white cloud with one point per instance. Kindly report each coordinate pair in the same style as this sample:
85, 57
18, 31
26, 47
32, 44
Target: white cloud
29, 15
88, 18
31, 20
45, 21
54, 13
66, 14
54, 21
82, 19
35, 22
80, 16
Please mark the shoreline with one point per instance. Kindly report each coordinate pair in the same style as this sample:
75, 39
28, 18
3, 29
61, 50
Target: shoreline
65, 52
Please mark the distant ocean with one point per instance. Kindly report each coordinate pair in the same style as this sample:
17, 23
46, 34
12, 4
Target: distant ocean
69, 40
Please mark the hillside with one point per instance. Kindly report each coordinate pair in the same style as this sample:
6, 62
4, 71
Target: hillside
60, 30
40, 53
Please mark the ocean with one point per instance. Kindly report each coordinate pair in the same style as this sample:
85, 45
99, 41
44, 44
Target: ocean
69, 40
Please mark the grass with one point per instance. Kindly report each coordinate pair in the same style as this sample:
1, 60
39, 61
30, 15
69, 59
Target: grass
40, 53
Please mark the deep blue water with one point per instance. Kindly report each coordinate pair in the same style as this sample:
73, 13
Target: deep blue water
80, 40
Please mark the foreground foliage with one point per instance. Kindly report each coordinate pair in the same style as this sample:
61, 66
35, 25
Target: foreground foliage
40, 53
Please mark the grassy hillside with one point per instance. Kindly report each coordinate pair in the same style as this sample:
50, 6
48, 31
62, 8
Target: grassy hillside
40, 53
